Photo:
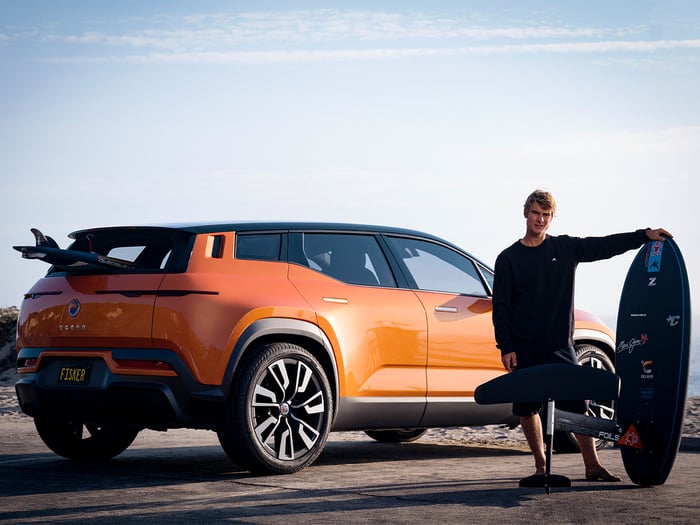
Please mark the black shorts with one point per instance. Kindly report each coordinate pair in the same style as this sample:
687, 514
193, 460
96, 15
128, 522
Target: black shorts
528, 359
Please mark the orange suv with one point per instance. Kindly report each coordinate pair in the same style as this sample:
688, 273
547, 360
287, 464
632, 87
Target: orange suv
270, 334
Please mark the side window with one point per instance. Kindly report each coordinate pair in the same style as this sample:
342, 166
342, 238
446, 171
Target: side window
435, 267
488, 275
259, 246
352, 258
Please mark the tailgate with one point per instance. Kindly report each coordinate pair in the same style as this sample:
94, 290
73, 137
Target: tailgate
96, 311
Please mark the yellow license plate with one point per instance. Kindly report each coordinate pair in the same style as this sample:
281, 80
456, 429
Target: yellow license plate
74, 373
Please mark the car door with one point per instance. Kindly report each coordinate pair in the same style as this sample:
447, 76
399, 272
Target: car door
462, 351
378, 331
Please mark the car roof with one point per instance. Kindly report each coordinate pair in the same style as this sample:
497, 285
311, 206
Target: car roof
300, 225
282, 226
241, 226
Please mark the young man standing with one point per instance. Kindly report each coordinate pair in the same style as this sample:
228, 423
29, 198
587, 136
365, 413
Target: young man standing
533, 309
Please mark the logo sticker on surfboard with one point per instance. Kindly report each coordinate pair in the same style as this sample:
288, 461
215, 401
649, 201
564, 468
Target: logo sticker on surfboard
631, 439
653, 259
647, 369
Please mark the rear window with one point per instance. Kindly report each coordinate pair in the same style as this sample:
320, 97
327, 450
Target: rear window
127, 250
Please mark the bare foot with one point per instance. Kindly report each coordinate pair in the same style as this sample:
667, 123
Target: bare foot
601, 474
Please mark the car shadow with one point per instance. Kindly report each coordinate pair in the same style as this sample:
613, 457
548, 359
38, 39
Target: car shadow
143, 467
355, 452
192, 482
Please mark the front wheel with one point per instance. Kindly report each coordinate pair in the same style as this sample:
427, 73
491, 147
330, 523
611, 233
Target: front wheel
84, 441
279, 411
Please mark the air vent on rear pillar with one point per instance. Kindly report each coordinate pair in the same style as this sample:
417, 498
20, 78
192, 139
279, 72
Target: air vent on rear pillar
215, 246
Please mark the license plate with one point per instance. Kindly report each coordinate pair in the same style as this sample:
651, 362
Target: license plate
74, 373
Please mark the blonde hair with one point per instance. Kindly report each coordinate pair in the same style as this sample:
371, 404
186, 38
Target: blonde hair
541, 197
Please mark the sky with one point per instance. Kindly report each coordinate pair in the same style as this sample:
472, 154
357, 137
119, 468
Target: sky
438, 116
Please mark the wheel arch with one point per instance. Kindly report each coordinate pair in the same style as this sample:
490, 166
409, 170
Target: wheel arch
596, 338
302, 333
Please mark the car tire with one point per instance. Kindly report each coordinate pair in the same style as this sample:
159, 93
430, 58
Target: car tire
589, 355
279, 411
402, 435
69, 439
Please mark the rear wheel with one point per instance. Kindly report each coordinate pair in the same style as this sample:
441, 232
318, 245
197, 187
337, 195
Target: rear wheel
279, 412
401, 435
82, 441
589, 355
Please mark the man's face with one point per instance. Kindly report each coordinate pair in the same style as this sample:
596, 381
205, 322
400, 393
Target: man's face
538, 220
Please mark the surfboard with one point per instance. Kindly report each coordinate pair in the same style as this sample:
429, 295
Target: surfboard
72, 258
46, 249
652, 361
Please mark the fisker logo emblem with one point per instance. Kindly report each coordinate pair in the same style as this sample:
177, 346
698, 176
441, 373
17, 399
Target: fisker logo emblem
74, 308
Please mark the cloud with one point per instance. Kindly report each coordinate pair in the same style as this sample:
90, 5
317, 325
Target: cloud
328, 25
310, 35
680, 140
339, 55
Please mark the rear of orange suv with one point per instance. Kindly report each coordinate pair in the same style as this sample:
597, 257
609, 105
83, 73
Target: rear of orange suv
270, 334
142, 338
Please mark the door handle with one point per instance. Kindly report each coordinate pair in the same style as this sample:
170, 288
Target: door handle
449, 309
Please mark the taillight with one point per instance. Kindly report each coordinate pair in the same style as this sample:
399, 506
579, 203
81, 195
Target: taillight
27, 362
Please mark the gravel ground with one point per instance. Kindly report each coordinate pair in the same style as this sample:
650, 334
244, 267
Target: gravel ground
493, 435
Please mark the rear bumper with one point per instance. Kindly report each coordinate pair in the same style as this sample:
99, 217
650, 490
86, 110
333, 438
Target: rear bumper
105, 396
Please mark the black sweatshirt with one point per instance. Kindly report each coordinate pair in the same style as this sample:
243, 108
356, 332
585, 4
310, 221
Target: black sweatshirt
533, 291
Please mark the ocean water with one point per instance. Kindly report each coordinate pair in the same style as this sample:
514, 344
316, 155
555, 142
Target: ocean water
694, 379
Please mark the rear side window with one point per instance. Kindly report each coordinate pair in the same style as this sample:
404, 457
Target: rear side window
127, 250
351, 258
259, 246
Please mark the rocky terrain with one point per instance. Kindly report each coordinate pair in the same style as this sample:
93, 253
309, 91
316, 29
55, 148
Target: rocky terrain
8, 327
